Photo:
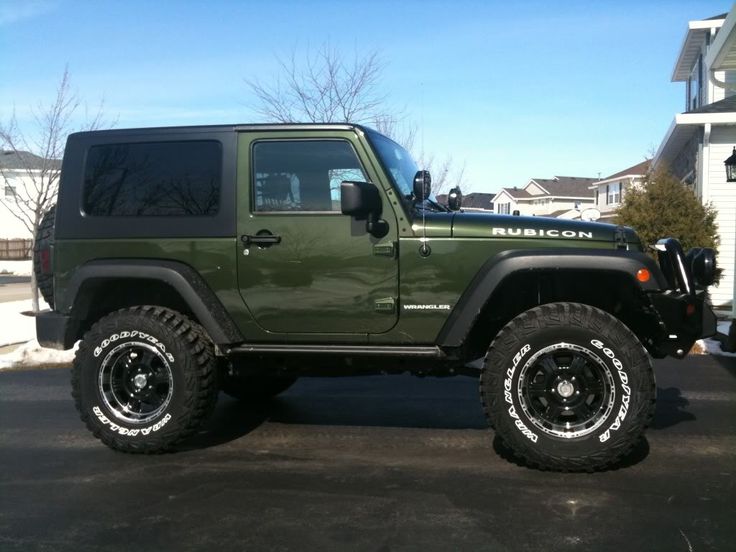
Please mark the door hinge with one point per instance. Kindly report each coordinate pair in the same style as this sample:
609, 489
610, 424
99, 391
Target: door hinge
386, 249
386, 304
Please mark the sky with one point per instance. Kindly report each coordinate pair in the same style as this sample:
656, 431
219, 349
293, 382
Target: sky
509, 90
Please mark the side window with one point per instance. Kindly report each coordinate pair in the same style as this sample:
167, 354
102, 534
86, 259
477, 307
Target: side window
302, 175
153, 179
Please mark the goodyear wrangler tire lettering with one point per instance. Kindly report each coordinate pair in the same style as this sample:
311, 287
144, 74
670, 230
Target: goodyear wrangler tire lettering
124, 430
567, 387
625, 400
144, 379
122, 335
507, 395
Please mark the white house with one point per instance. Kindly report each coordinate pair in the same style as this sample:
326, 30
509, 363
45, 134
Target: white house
17, 171
474, 201
559, 196
702, 137
610, 192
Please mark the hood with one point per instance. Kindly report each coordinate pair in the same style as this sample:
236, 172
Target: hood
486, 225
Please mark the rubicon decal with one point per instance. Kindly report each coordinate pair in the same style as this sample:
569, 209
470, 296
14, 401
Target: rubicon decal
540, 233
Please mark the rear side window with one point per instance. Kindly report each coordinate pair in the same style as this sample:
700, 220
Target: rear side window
153, 179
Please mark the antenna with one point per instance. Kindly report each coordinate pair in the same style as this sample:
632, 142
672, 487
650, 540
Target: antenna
424, 250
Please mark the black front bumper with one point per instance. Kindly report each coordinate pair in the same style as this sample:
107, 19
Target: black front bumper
685, 319
54, 330
683, 310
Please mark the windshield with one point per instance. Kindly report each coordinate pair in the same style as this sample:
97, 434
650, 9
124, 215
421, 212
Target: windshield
397, 162
401, 168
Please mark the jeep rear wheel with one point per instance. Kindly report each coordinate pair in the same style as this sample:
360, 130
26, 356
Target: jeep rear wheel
144, 379
568, 387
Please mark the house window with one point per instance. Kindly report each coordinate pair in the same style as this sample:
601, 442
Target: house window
613, 194
9, 190
695, 86
504, 208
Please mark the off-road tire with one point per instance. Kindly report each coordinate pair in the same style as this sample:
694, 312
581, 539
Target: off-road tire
254, 388
181, 366
547, 417
44, 237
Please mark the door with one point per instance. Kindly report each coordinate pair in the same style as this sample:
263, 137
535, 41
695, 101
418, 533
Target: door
304, 267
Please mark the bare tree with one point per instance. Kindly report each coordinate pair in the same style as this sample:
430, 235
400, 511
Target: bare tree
398, 129
324, 87
446, 173
328, 87
38, 150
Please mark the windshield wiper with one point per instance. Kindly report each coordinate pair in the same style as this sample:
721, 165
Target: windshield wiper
442, 208
427, 205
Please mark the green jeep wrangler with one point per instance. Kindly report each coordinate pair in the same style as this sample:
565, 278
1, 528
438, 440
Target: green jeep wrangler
238, 258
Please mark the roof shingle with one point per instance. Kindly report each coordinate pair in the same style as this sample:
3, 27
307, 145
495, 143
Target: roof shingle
727, 105
640, 168
567, 186
25, 160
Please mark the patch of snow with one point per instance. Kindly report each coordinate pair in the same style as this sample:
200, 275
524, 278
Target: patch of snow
31, 354
14, 326
20, 328
713, 347
17, 268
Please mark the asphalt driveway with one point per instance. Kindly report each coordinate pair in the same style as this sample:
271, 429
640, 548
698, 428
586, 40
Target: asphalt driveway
373, 463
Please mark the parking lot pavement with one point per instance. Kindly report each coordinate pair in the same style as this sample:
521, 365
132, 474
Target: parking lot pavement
373, 463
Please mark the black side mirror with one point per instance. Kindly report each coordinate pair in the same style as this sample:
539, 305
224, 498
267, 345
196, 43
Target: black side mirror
357, 199
363, 201
422, 185
455, 199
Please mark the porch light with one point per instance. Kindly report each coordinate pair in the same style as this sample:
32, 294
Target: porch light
731, 167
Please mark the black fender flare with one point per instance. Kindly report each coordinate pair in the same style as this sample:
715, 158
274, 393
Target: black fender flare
495, 270
185, 280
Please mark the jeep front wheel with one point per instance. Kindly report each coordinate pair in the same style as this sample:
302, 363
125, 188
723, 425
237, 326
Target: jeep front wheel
568, 387
144, 379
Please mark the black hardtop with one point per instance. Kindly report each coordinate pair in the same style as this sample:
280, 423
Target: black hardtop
204, 129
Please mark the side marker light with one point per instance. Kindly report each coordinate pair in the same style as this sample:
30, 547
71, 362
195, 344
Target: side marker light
643, 275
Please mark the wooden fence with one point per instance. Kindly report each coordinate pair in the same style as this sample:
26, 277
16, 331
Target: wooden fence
15, 249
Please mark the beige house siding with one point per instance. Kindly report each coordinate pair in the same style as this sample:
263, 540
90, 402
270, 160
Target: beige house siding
722, 195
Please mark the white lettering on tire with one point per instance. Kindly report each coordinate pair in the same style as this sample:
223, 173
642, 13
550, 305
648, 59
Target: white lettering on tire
528, 433
135, 333
130, 432
625, 398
